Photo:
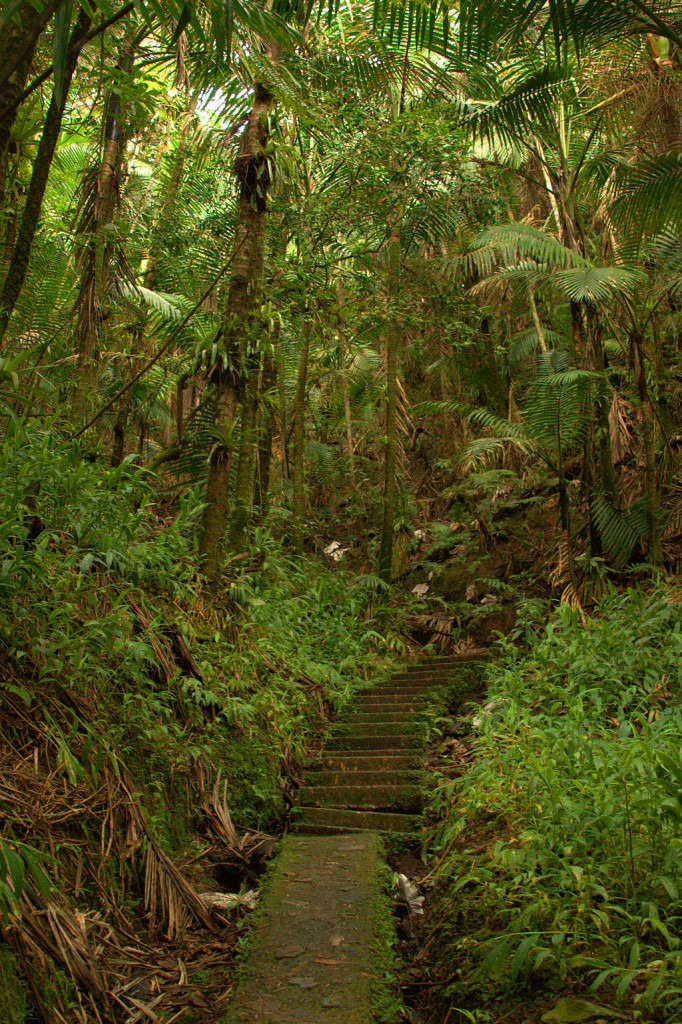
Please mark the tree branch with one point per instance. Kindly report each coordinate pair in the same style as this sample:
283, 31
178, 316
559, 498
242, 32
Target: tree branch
73, 50
166, 345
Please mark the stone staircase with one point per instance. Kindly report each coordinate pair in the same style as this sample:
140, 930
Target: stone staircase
369, 775
310, 959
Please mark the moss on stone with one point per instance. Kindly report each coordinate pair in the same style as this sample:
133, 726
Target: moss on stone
385, 998
13, 1003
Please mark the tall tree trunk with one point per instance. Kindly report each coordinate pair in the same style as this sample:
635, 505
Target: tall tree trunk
118, 449
595, 354
540, 334
91, 302
495, 391
242, 508
286, 468
350, 450
298, 468
266, 436
650, 488
18, 41
393, 338
18, 268
243, 304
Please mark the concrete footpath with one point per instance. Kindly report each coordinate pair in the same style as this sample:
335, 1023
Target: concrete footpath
310, 959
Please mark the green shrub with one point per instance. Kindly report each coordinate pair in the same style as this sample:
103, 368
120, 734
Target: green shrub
578, 779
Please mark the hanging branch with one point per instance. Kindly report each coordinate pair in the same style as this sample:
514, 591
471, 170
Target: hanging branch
73, 50
166, 345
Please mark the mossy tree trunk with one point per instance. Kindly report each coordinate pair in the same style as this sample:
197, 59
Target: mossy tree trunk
241, 324
21, 254
393, 339
298, 462
348, 421
266, 435
648, 435
242, 508
97, 213
18, 41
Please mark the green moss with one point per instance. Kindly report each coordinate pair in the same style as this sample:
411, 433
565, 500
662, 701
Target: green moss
385, 998
13, 1005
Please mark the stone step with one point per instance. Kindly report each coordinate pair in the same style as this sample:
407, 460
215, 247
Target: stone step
368, 761
416, 680
404, 705
379, 728
363, 777
387, 742
398, 692
336, 820
446, 660
379, 715
374, 797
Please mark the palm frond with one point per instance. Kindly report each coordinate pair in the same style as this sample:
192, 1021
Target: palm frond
507, 244
169, 306
648, 195
530, 103
598, 284
620, 530
525, 343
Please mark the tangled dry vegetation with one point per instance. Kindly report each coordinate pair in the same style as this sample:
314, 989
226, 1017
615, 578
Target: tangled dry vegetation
135, 927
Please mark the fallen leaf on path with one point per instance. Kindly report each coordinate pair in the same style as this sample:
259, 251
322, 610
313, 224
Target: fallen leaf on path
410, 894
289, 951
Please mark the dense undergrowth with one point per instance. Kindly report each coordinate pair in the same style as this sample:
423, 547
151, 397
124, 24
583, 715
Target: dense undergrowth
126, 692
575, 794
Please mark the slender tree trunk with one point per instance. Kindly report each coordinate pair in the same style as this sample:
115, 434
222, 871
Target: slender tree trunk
577, 331
18, 42
242, 509
21, 254
595, 354
350, 450
91, 302
286, 468
393, 339
298, 468
243, 304
118, 449
648, 423
495, 386
266, 436
10, 239
536, 319
662, 378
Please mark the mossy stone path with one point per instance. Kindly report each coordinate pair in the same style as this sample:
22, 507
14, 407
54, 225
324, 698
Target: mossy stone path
310, 961
311, 958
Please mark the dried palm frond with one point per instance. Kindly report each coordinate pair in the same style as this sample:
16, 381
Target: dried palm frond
405, 426
170, 901
563, 576
620, 428
244, 848
440, 627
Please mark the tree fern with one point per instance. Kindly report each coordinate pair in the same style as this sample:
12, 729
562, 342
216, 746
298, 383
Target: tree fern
620, 530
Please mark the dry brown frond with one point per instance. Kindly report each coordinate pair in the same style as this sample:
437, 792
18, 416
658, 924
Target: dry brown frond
620, 428
243, 849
